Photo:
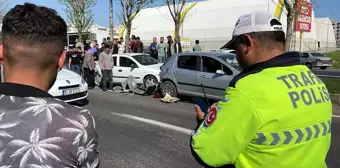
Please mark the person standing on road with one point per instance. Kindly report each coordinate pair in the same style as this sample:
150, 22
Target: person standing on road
161, 48
177, 46
197, 46
79, 44
170, 47
284, 122
38, 130
81, 56
132, 43
122, 42
115, 47
140, 46
75, 61
153, 49
121, 48
109, 42
68, 56
88, 66
106, 65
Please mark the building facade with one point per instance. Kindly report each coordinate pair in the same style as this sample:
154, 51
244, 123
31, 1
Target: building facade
336, 27
95, 32
213, 21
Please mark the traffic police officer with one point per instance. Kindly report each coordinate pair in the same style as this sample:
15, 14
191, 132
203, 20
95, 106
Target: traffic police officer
276, 113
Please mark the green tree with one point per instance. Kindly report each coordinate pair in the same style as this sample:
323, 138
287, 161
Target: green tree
175, 8
129, 10
79, 14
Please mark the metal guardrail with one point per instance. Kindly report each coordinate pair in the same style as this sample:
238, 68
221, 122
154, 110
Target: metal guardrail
328, 76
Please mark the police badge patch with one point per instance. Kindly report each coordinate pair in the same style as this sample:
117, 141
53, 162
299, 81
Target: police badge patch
211, 117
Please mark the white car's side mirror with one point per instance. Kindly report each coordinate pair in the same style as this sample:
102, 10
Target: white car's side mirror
221, 72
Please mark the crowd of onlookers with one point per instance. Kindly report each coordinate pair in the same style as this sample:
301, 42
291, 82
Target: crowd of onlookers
81, 58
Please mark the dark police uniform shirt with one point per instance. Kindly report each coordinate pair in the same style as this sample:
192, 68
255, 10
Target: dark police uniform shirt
37, 130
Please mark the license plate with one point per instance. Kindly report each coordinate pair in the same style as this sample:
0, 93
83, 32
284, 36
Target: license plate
71, 91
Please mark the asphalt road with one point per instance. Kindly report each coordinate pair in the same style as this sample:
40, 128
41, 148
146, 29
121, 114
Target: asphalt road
327, 72
129, 140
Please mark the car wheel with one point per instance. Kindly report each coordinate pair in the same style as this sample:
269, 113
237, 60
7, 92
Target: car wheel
309, 65
97, 79
170, 88
150, 80
323, 68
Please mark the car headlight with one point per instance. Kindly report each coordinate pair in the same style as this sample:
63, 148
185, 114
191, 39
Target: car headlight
82, 80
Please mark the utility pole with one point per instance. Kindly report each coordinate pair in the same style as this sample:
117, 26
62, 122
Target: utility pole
111, 19
268, 5
327, 34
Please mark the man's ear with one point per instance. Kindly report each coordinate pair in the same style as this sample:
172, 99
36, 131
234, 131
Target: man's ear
61, 60
1, 53
248, 41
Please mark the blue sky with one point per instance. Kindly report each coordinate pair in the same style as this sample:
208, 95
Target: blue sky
323, 8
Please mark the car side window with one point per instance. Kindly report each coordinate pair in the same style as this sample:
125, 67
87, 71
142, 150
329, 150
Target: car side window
227, 70
187, 62
210, 65
305, 55
125, 62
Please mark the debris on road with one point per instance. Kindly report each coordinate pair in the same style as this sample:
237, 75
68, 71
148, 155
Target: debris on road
168, 99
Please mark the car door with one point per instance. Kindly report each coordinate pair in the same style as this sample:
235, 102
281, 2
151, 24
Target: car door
186, 74
127, 67
214, 84
122, 70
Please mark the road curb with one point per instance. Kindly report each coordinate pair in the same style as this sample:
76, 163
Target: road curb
335, 98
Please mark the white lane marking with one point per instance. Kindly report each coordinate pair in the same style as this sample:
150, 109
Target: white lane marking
336, 116
157, 123
164, 125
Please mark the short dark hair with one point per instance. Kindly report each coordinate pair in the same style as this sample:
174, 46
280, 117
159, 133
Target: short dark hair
33, 36
137, 38
269, 39
197, 41
107, 46
79, 48
266, 40
108, 38
87, 47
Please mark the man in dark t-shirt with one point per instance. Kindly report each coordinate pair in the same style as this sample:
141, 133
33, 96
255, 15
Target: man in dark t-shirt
75, 62
68, 56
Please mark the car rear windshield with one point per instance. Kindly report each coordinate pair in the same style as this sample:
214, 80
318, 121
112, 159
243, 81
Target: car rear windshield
145, 59
318, 55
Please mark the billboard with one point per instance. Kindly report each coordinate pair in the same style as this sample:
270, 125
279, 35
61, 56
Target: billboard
304, 16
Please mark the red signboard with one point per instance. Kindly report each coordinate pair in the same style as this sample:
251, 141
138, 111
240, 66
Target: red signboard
304, 16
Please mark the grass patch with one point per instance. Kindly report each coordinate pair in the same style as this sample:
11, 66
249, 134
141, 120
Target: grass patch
335, 55
333, 85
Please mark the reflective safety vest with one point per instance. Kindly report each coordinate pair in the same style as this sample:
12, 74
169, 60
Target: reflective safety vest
276, 115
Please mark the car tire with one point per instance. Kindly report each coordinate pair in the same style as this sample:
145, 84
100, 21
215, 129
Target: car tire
309, 65
323, 68
150, 80
170, 88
